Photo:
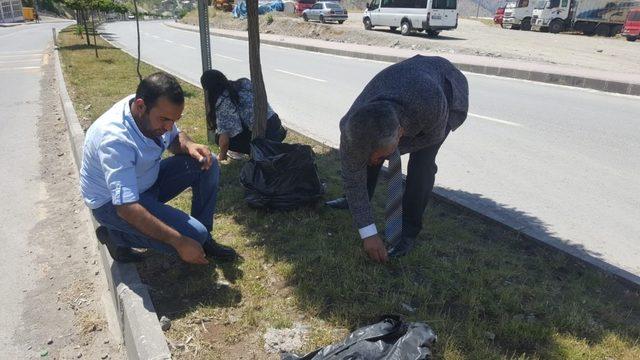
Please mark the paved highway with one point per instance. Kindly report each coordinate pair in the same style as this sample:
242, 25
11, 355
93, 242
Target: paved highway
556, 162
46, 258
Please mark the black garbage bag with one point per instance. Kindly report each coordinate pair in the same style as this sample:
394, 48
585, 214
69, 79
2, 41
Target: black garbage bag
280, 176
389, 339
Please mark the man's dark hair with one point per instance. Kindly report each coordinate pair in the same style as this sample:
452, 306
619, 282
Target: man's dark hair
157, 85
373, 126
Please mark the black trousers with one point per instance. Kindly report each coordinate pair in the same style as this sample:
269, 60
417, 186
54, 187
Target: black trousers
275, 132
421, 175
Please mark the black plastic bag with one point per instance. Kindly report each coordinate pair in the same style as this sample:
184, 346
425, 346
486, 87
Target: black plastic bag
389, 339
280, 176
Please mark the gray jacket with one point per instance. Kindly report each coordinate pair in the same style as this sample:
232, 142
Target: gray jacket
431, 95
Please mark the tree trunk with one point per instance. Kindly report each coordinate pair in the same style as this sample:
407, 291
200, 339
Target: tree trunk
93, 23
259, 93
86, 27
79, 23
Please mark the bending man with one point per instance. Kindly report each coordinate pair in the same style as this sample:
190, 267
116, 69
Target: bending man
409, 107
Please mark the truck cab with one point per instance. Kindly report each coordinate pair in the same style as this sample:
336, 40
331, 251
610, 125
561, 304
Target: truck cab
517, 15
552, 16
631, 29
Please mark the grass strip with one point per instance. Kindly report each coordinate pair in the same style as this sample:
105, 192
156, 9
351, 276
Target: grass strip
488, 293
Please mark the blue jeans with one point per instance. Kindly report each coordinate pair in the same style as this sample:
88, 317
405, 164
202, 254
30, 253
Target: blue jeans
177, 173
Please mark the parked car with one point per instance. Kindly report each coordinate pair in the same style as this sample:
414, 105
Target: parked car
631, 29
497, 18
324, 11
301, 5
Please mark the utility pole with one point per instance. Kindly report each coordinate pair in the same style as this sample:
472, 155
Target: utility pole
205, 55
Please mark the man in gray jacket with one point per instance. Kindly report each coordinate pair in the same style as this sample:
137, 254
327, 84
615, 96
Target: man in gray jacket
408, 107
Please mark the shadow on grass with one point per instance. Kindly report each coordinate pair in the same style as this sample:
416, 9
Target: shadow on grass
486, 290
83, 47
178, 288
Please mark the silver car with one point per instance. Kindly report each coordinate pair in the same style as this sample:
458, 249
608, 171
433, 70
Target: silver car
324, 11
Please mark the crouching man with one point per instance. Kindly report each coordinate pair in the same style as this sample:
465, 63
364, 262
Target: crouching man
408, 108
126, 183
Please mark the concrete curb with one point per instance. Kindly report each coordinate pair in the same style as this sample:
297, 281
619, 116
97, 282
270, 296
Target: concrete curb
142, 336
550, 78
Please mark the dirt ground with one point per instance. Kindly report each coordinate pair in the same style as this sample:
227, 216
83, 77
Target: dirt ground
472, 37
66, 317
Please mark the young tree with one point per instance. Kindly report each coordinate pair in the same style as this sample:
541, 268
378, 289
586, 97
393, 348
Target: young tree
259, 92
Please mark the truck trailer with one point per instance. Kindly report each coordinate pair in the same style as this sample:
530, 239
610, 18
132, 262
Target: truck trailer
600, 17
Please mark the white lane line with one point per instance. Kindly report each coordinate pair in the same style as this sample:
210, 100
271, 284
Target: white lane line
21, 52
19, 61
227, 57
299, 75
155, 36
21, 55
187, 46
169, 41
489, 118
20, 68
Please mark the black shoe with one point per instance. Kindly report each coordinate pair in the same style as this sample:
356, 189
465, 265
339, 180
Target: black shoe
219, 252
118, 253
339, 203
125, 255
402, 248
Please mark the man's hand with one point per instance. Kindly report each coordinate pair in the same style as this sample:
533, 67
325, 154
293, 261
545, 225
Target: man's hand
202, 154
190, 251
222, 156
374, 247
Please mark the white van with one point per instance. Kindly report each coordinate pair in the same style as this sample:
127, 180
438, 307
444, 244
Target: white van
432, 16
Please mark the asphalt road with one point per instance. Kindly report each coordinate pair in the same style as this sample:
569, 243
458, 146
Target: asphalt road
20, 63
46, 259
556, 162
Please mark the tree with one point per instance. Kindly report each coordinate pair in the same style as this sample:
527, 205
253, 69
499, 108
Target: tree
259, 92
82, 7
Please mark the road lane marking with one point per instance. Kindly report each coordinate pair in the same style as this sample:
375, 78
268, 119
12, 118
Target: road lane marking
19, 61
169, 41
489, 118
302, 76
20, 56
20, 68
21, 53
155, 36
187, 46
227, 57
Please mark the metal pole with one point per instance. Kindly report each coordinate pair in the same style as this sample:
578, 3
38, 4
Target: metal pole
478, 9
205, 55
205, 44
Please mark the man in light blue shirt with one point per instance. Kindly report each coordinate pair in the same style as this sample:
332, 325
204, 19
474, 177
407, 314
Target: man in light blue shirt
126, 183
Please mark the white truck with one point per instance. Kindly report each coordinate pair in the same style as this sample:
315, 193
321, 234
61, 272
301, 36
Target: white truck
600, 17
517, 15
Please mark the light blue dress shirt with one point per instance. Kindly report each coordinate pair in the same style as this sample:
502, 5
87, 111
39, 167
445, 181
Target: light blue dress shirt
119, 162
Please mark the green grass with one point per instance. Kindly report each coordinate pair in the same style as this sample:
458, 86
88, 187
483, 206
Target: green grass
487, 292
